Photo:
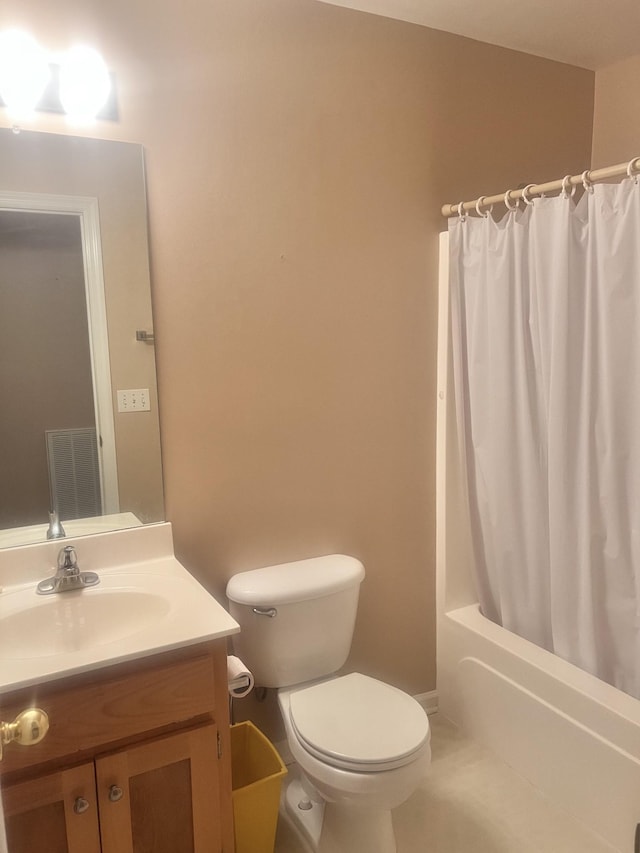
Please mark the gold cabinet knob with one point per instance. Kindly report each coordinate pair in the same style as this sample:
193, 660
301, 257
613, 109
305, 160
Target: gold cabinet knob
28, 728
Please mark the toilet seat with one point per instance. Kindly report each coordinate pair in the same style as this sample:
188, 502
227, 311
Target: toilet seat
358, 723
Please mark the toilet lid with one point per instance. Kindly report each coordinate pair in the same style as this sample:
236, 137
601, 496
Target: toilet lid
359, 723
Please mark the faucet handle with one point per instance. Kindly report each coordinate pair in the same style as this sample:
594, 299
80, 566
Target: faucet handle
67, 558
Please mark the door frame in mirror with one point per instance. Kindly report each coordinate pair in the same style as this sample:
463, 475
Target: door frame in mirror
86, 208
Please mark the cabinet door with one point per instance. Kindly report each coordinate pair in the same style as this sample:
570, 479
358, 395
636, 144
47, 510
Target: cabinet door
53, 814
162, 796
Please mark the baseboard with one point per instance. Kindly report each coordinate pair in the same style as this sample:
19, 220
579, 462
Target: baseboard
429, 701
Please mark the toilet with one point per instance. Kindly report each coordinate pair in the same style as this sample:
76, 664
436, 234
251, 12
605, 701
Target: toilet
362, 746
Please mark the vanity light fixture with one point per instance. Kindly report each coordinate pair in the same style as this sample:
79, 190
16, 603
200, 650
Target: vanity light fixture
84, 83
76, 83
24, 72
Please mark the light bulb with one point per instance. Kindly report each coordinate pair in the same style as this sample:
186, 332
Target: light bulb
24, 72
84, 83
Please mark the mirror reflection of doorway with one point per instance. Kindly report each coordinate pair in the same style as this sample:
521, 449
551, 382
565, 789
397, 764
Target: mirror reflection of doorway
46, 383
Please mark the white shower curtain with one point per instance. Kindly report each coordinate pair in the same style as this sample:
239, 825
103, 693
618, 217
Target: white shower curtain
545, 311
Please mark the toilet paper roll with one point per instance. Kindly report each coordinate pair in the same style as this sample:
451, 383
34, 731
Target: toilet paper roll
240, 679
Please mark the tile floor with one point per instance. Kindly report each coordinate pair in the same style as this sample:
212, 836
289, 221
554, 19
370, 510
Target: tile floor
473, 803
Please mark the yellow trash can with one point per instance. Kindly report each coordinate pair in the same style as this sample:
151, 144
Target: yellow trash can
257, 773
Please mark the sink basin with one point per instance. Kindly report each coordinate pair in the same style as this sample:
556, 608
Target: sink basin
120, 607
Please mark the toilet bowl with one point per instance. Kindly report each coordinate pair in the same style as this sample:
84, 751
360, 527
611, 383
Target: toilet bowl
362, 746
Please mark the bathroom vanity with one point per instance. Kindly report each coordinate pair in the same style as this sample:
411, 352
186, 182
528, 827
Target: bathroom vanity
137, 754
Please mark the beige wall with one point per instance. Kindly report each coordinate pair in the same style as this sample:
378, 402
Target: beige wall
298, 155
616, 121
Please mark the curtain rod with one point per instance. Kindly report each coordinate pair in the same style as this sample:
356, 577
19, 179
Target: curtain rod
570, 181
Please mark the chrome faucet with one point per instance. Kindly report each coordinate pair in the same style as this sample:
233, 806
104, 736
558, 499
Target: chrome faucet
55, 529
68, 575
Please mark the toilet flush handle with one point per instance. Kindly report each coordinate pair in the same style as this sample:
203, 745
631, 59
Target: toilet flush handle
265, 611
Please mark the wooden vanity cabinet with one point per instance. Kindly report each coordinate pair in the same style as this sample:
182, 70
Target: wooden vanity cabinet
136, 760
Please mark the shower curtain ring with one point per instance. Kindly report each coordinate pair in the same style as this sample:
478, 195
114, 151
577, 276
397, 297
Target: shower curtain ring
526, 198
479, 204
568, 191
631, 172
586, 183
510, 206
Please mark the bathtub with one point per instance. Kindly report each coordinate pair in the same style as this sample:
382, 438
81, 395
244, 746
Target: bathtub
572, 736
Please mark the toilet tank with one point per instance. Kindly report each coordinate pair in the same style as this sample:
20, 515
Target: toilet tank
296, 619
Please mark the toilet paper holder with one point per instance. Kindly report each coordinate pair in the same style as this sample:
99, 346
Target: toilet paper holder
240, 680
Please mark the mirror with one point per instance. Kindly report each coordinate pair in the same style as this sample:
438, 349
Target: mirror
76, 332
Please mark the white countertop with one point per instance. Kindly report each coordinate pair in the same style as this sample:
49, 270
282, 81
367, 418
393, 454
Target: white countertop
80, 631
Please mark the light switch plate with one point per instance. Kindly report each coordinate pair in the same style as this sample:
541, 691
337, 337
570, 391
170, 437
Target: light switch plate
134, 400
